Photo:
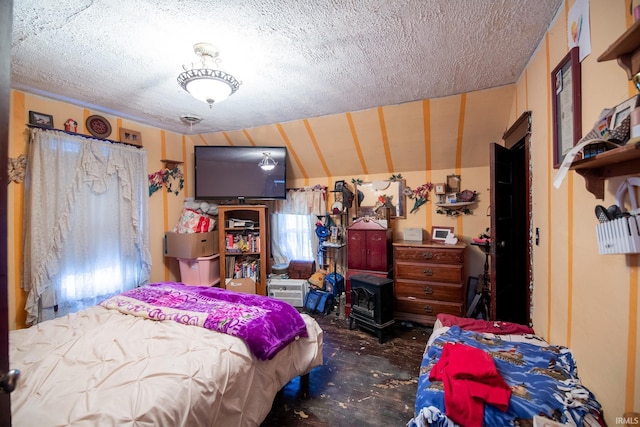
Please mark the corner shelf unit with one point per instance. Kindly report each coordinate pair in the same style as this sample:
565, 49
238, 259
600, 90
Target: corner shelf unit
247, 222
622, 160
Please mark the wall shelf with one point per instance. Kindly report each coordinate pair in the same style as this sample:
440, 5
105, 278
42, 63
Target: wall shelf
626, 50
457, 205
623, 160
171, 164
616, 162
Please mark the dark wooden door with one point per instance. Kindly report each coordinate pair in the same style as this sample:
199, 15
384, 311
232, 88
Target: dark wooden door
376, 250
510, 224
357, 250
6, 11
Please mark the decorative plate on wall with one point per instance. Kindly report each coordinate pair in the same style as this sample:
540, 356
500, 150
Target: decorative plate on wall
98, 126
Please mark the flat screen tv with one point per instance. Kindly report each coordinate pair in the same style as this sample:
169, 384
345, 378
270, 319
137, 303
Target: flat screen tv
233, 173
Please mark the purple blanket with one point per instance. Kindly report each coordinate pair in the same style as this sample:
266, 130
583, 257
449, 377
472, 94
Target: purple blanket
267, 325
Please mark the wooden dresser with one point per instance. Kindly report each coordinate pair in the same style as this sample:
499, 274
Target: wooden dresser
429, 279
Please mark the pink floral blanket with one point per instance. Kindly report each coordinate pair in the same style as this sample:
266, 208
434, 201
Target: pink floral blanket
267, 325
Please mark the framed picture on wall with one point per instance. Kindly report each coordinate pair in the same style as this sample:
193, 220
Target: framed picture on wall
453, 184
566, 105
40, 119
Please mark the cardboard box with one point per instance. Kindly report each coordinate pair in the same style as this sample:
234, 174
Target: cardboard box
190, 245
246, 285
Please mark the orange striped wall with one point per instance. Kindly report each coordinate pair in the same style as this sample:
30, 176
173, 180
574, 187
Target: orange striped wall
580, 298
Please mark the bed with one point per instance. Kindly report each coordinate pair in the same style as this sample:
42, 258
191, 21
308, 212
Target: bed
514, 376
165, 354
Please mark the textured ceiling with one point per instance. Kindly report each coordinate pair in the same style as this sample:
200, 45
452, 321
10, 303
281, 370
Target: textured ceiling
296, 59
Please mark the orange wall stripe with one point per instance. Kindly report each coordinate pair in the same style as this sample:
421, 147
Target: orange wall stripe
356, 143
569, 257
19, 117
294, 156
517, 112
632, 327
632, 338
184, 162
226, 136
165, 201
526, 91
569, 227
426, 120
549, 183
86, 113
314, 141
118, 127
246, 133
463, 107
202, 139
385, 140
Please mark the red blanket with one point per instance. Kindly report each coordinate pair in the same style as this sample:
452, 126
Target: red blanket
478, 325
470, 380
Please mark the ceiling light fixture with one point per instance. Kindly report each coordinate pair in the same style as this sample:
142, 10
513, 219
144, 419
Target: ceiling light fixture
267, 163
190, 119
203, 80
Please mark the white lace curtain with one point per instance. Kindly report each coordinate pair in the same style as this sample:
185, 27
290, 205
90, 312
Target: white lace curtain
86, 223
293, 222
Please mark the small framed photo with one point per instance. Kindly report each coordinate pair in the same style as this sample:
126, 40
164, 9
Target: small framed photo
132, 137
451, 198
622, 111
453, 183
439, 234
440, 189
41, 119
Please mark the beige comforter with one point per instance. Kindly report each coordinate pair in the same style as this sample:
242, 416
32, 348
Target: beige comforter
103, 368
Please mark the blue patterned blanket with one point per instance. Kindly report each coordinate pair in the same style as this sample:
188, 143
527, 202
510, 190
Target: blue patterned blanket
543, 379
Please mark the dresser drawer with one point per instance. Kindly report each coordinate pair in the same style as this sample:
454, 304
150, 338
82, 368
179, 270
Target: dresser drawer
427, 307
447, 273
427, 290
429, 254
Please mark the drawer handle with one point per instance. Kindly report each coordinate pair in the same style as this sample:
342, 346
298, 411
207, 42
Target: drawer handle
428, 290
428, 272
428, 255
428, 309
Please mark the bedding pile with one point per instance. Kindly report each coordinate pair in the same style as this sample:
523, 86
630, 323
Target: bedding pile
101, 367
542, 379
266, 324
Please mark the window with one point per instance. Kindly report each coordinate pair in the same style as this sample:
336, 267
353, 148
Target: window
86, 222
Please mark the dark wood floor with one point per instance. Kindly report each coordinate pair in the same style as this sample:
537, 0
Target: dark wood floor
361, 382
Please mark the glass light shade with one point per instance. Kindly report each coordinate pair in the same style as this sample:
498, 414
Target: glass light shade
208, 90
267, 163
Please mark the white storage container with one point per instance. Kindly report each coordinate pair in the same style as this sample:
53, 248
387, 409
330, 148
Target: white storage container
618, 236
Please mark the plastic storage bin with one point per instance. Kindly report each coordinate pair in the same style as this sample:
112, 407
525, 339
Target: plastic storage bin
619, 236
202, 271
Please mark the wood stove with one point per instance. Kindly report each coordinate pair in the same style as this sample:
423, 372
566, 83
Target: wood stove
371, 303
